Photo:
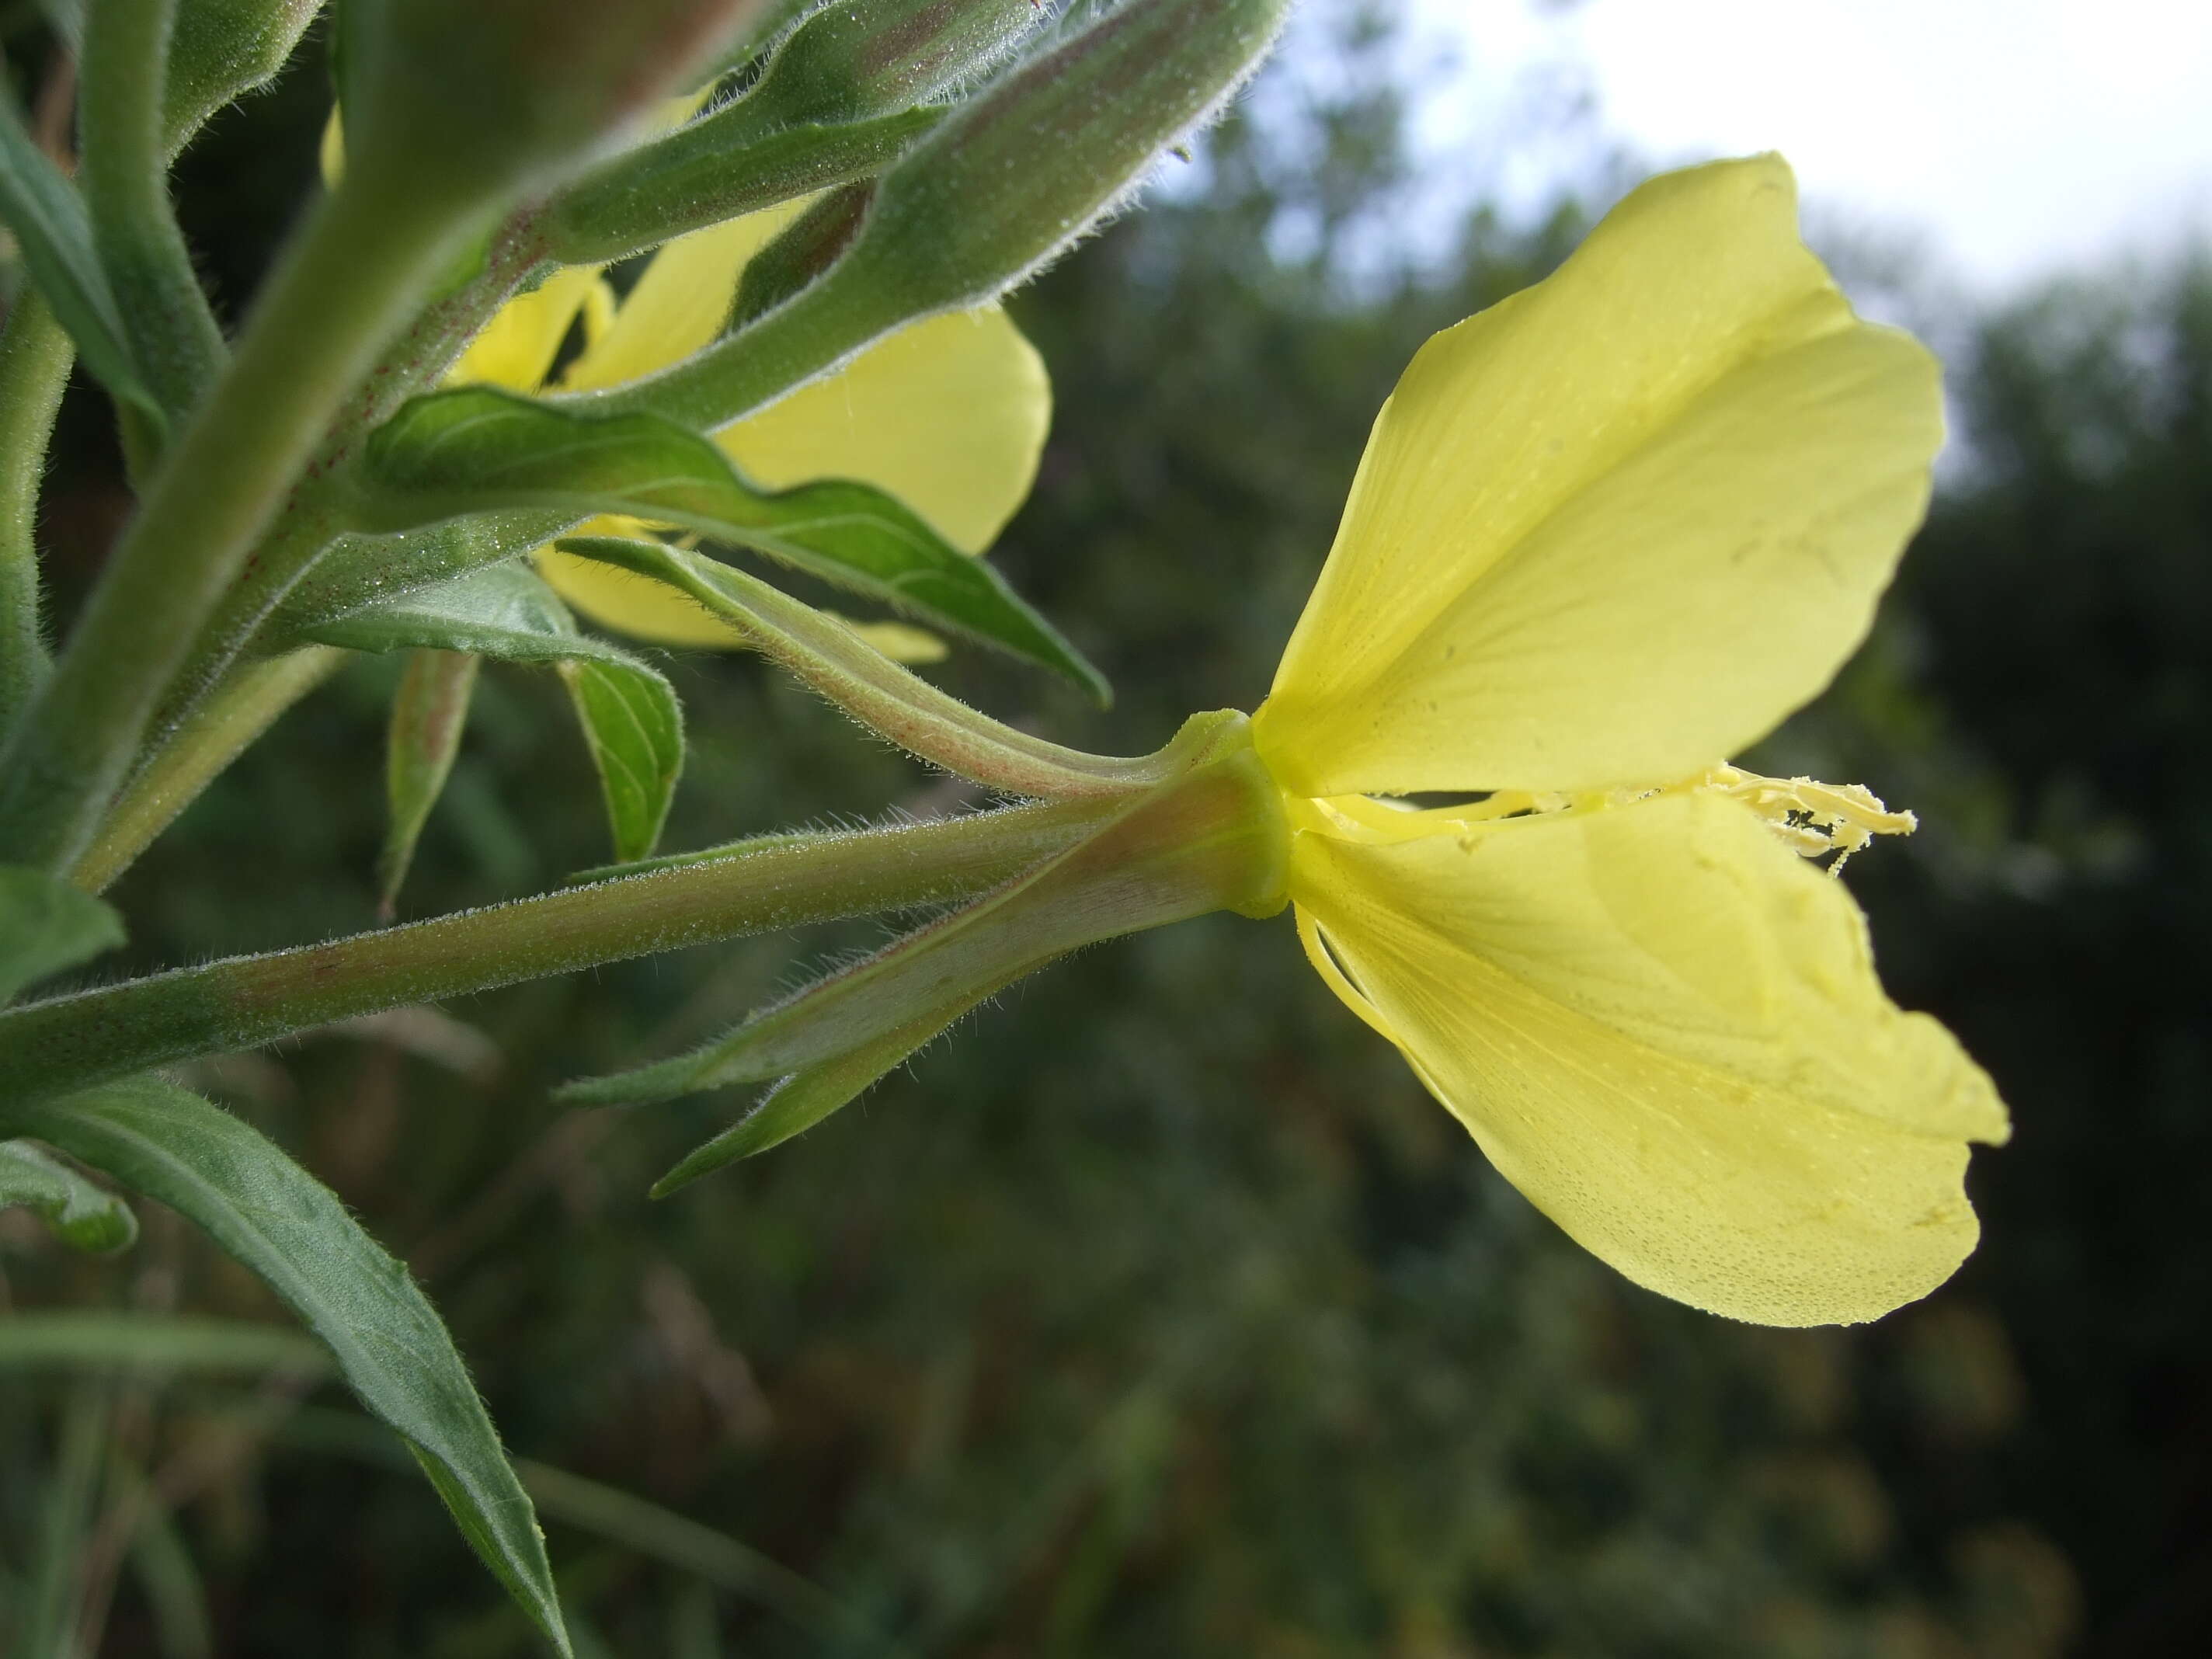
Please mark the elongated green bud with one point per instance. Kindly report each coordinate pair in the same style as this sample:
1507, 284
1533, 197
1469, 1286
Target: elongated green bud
1005, 183
492, 97
851, 61
1013, 177
845, 93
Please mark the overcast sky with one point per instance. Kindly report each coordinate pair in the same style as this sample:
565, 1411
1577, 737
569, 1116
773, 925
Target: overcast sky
2023, 138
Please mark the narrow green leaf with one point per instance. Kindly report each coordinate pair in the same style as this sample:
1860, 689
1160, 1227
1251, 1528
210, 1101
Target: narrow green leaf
635, 730
632, 722
479, 450
47, 925
389, 1343
83, 1216
47, 216
429, 711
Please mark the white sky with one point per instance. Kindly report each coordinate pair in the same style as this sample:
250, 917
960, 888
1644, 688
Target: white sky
2020, 137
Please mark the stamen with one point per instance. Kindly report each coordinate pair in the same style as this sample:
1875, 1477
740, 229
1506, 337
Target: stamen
1814, 819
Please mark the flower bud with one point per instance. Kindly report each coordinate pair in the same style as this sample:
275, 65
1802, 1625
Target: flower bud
494, 96
1014, 176
849, 62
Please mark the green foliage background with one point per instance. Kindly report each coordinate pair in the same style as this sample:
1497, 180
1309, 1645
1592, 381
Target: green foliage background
1159, 1311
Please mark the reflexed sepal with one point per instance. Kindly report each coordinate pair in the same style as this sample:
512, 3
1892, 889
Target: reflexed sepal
1209, 836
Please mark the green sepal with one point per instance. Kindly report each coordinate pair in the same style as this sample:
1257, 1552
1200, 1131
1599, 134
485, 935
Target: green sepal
47, 216
220, 51
479, 450
83, 1216
632, 722
46, 926
1209, 836
803, 1099
429, 712
292, 1232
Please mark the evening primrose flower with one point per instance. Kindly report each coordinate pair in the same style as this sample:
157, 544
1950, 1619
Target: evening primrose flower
948, 415
1604, 533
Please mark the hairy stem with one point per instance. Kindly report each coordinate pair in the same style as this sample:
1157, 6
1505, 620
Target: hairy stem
217, 733
368, 256
123, 171
777, 882
35, 354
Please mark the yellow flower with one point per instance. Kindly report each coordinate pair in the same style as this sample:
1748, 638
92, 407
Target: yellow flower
948, 415
1604, 533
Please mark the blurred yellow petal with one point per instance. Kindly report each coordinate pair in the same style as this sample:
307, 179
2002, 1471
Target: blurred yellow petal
1665, 1029
517, 347
626, 603
949, 416
680, 302
899, 641
1621, 523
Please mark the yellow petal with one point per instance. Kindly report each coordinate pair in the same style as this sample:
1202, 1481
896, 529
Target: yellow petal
949, 415
518, 346
680, 302
1665, 1029
624, 602
1619, 525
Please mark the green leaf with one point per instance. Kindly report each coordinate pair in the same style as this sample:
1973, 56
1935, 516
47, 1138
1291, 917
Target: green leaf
47, 925
84, 1216
389, 1343
220, 51
479, 450
631, 718
635, 730
48, 218
429, 711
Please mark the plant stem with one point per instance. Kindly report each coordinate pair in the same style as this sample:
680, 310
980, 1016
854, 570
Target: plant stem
123, 171
35, 354
216, 735
776, 882
368, 256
